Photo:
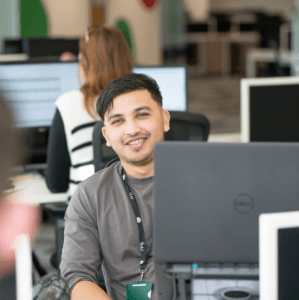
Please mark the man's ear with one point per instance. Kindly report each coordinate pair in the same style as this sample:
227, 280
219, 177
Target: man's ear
166, 120
104, 132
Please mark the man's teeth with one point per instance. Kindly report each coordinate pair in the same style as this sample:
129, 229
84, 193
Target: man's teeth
136, 142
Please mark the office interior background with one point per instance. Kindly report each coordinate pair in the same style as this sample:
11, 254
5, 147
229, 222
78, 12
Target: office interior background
219, 41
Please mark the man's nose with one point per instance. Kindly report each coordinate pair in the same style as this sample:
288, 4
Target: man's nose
132, 127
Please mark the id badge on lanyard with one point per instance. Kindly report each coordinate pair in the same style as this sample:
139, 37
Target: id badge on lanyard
138, 290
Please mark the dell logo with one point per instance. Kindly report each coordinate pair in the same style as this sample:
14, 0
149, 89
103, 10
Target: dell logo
243, 203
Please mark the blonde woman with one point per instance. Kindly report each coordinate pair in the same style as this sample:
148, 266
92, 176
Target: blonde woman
104, 55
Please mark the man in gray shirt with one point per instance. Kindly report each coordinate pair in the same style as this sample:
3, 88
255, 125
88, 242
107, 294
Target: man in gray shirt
109, 218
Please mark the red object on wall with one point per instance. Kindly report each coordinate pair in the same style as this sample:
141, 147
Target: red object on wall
148, 4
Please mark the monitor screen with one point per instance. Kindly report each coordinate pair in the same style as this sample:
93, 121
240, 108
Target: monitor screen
269, 109
173, 85
288, 263
32, 88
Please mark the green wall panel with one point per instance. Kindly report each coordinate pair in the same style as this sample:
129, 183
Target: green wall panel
33, 19
123, 26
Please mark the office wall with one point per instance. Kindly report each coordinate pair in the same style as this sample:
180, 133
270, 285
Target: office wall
145, 25
67, 17
281, 6
198, 10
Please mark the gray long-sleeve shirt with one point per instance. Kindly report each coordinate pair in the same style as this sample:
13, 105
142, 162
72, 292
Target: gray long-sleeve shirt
101, 230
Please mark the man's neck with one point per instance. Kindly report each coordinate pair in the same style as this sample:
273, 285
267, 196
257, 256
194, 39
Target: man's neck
139, 171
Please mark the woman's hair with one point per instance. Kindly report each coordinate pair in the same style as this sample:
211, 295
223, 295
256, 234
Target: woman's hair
104, 56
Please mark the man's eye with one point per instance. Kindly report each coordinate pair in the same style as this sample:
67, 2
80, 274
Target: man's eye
116, 122
143, 115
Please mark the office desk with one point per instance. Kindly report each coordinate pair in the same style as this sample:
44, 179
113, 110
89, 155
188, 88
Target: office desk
35, 185
225, 138
216, 53
265, 55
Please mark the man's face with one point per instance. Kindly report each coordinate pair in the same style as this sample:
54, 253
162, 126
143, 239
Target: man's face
133, 126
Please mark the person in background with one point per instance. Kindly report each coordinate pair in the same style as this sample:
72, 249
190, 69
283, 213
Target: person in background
17, 215
67, 56
104, 55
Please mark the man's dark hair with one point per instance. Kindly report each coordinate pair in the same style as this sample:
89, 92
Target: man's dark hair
125, 84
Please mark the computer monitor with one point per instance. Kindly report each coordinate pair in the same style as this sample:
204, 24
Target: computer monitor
37, 47
12, 46
279, 260
270, 109
32, 88
208, 198
172, 81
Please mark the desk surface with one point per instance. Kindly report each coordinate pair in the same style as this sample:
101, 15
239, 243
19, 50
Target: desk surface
35, 189
265, 55
225, 138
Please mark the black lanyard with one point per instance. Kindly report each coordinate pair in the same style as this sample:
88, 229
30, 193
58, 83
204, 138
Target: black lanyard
142, 245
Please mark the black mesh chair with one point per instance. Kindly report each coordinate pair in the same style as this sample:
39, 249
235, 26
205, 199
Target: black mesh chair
102, 154
186, 126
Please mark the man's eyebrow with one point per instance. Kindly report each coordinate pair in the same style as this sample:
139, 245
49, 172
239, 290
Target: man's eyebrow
142, 108
134, 111
114, 116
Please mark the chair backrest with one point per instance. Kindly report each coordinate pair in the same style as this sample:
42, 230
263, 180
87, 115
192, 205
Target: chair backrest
101, 152
186, 126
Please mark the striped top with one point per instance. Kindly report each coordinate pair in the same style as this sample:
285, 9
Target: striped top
78, 127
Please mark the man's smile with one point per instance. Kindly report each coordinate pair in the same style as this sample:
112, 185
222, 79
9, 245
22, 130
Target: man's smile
136, 143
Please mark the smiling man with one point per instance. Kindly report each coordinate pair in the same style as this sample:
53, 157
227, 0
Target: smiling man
109, 218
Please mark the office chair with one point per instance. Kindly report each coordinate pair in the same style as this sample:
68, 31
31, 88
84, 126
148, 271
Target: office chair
186, 126
102, 154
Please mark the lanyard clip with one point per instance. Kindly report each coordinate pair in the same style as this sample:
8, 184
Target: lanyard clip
142, 274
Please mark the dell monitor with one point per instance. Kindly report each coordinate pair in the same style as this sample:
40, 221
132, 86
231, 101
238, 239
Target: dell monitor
208, 198
270, 109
